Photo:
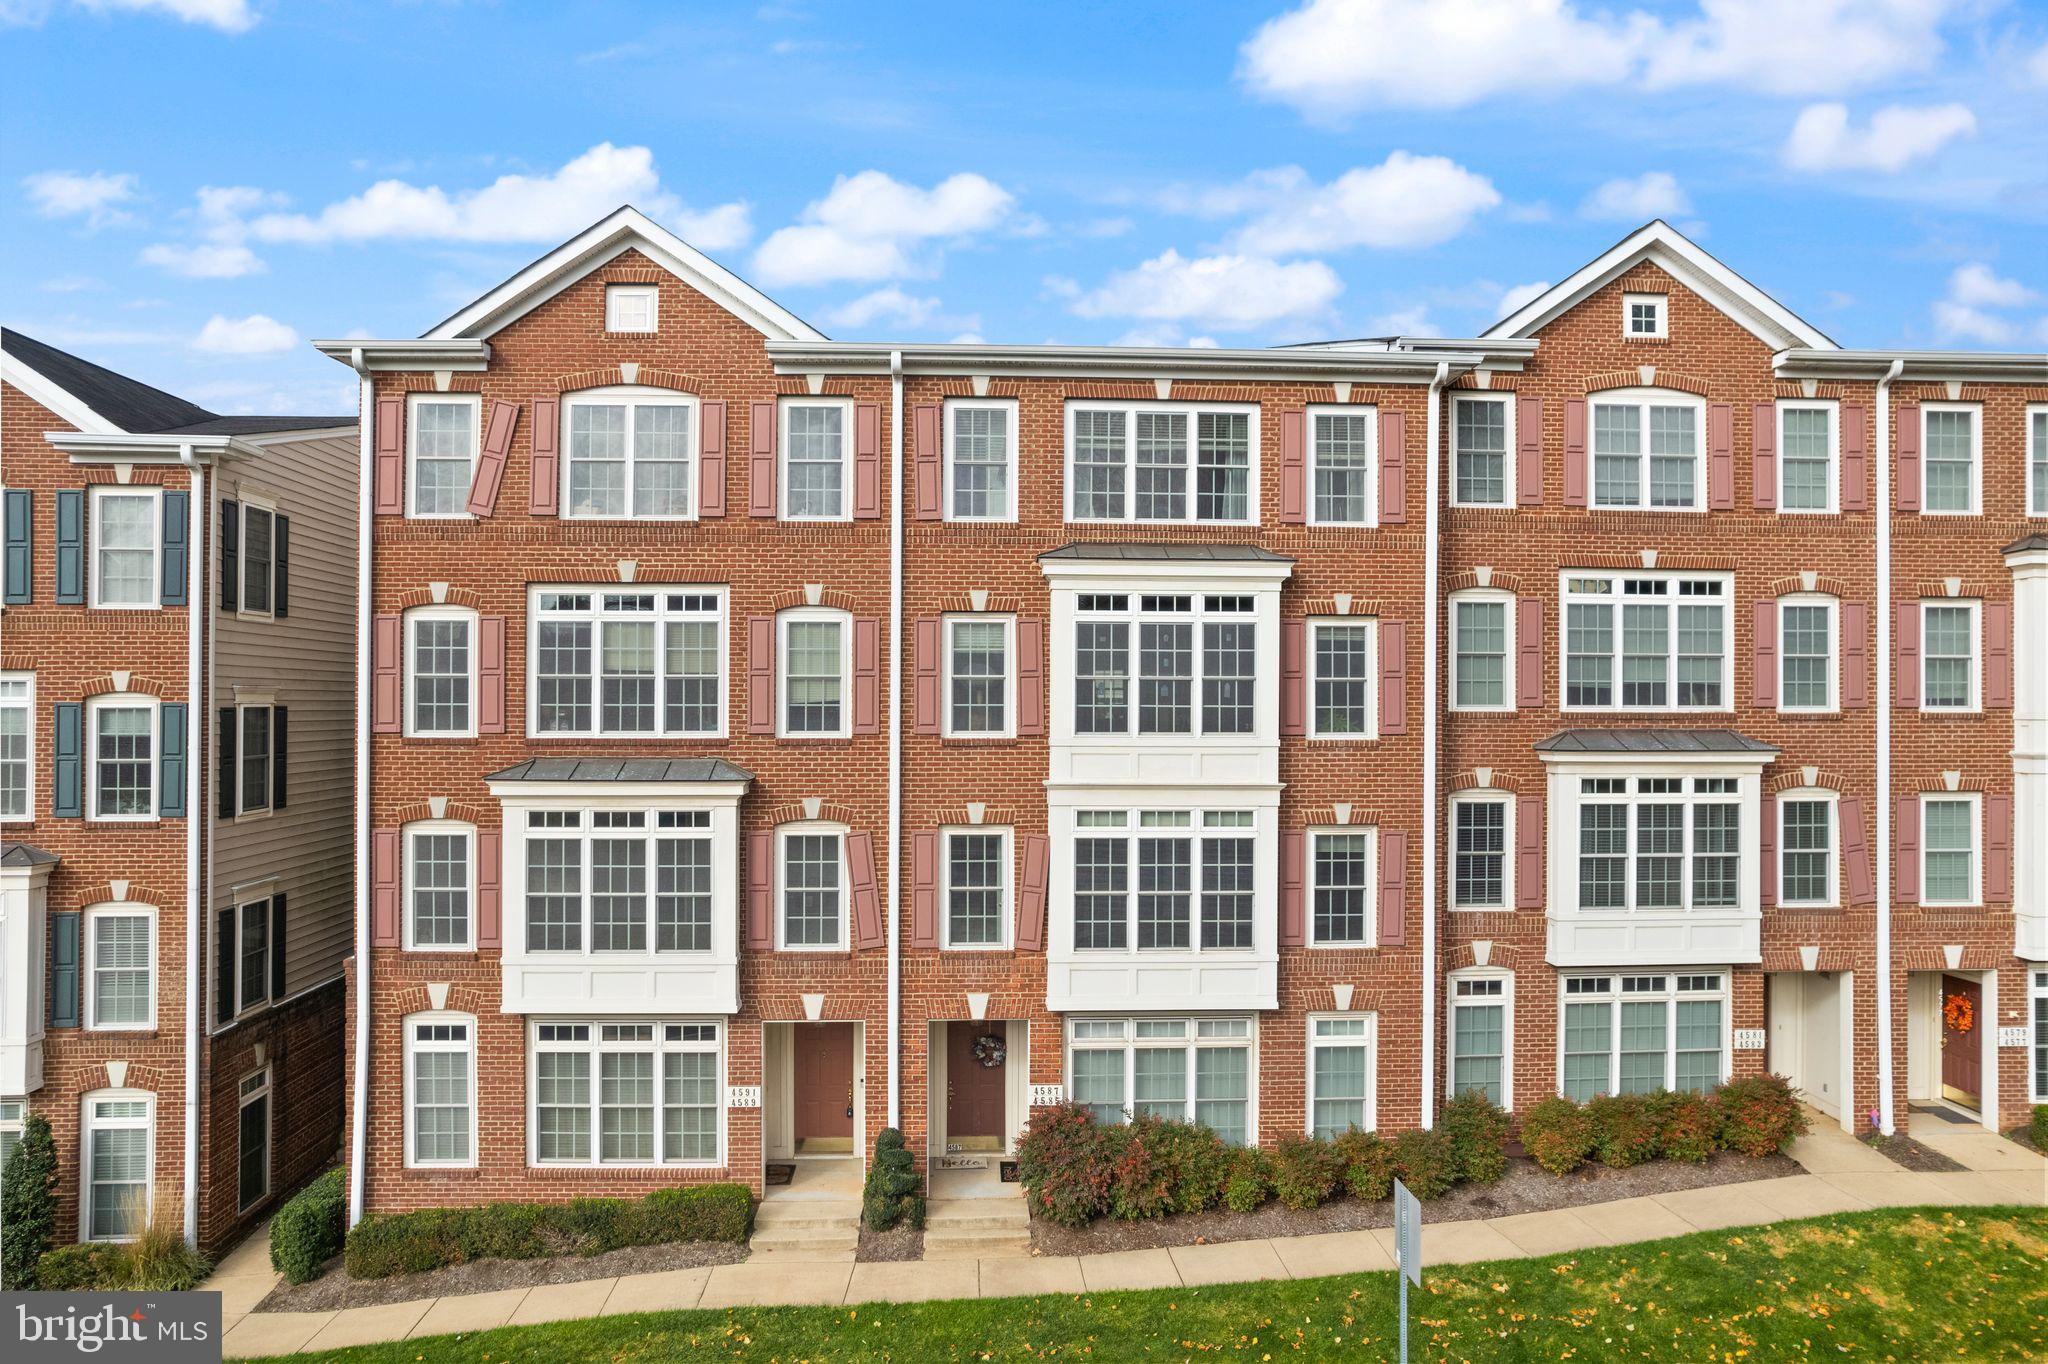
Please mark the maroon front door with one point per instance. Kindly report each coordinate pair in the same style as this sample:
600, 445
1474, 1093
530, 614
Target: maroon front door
1962, 1049
824, 1086
974, 1092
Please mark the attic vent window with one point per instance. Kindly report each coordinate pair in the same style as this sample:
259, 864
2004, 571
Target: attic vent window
1643, 315
630, 307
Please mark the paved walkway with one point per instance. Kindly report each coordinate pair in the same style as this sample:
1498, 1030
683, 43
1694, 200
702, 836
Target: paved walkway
1842, 1175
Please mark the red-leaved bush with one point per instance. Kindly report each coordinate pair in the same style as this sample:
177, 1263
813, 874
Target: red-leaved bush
1558, 1135
1760, 1115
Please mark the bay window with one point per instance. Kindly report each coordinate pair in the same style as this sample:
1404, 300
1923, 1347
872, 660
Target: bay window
625, 1093
1806, 457
618, 881
1646, 450
1951, 457
1482, 641
976, 867
441, 445
1343, 887
17, 745
1340, 1075
1188, 1069
1160, 462
1950, 871
1344, 455
629, 453
1806, 849
1194, 658
1163, 879
127, 528
1648, 641
1659, 843
1631, 1034
815, 434
981, 462
628, 663
1482, 472
440, 1090
1482, 1029
978, 651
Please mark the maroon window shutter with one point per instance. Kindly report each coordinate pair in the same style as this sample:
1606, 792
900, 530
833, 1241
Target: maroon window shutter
761, 889
1529, 652
1906, 473
1856, 852
1393, 468
924, 890
1575, 452
711, 465
1529, 852
867, 905
490, 899
1393, 677
387, 683
1855, 655
1906, 850
1294, 466
926, 637
1998, 655
867, 461
1763, 447
1763, 655
1906, 656
490, 467
490, 675
1393, 889
761, 460
761, 674
867, 676
927, 433
1767, 851
388, 492
543, 495
1293, 894
1855, 457
1529, 451
1293, 677
1031, 895
1997, 849
1720, 457
384, 888
1030, 678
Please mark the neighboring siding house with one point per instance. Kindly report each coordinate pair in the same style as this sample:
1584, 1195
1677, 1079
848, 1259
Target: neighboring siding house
176, 677
772, 739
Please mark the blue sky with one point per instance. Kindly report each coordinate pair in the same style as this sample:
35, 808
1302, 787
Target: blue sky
191, 189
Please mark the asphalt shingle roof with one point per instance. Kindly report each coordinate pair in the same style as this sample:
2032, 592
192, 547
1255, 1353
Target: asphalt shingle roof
136, 407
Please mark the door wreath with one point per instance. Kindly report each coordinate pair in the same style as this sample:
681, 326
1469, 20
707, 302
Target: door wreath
990, 1051
1959, 1013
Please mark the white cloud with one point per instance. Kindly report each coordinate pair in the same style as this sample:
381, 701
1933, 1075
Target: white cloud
1960, 322
868, 226
1405, 201
203, 260
251, 335
1402, 322
93, 195
1229, 292
891, 305
1979, 286
229, 16
1519, 297
1973, 291
1896, 136
2038, 67
1654, 194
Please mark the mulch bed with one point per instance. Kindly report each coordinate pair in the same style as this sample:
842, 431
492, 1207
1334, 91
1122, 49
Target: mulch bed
897, 1243
2024, 1135
1902, 1150
1524, 1188
334, 1288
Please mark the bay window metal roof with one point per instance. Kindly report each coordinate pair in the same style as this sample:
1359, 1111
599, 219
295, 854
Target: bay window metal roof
1652, 741
680, 770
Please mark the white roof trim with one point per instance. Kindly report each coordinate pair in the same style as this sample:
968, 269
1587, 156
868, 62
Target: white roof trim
604, 241
45, 391
1756, 311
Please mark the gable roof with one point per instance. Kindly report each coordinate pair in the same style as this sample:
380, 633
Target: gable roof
103, 402
1658, 241
625, 228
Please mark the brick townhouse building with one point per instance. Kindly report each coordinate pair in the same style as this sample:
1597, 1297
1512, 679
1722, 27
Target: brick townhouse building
176, 659
769, 739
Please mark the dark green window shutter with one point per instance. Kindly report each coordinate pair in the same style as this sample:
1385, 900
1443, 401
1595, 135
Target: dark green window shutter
281, 567
224, 966
277, 946
64, 969
67, 798
277, 752
170, 801
225, 765
230, 554
176, 558
21, 530
71, 546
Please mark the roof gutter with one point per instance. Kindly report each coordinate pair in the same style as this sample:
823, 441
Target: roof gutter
133, 447
1912, 365
460, 354
1146, 363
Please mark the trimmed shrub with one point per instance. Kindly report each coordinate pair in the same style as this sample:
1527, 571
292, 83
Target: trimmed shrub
1195, 1162
1062, 1164
28, 1205
308, 1230
1251, 1180
1624, 1130
894, 1193
1427, 1162
1478, 1131
1140, 1184
1688, 1126
698, 1212
2039, 1128
1760, 1115
1306, 1171
68, 1268
1558, 1135
1368, 1165
157, 1261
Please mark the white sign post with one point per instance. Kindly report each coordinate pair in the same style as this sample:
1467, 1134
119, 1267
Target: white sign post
1408, 1251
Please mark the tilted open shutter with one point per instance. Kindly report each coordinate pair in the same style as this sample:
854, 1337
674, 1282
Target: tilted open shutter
384, 858
1998, 655
1763, 454
64, 969
1393, 677
224, 769
1763, 654
761, 460
1030, 678
711, 466
1529, 451
867, 904
927, 436
1529, 852
1393, 889
1575, 452
67, 786
1856, 852
225, 957
490, 899
544, 486
490, 675
1906, 850
387, 681
1855, 655
867, 461
176, 554
71, 547
174, 728
388, 468
1906, 655
1720, 456
924, 890
1393, 468
1855, 457
1529, 652
21, 535
230, 554
490, 465
925, 646
760, 889
280, 566
761, 674
1031, 893
867, 676
1997, 849
279, 922
1294, 466
1293, 677
1767, 850
280, 747
1293, 894
1906, 471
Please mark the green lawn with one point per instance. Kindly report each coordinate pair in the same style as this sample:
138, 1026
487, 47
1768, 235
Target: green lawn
1900, 1284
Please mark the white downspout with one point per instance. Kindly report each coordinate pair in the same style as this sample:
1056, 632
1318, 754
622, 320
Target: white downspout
1431, 481
198, 603
895, 1026
359, 1103
1883, 859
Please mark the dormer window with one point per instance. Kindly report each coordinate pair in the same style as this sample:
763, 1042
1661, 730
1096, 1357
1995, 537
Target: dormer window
1643, 316
630, 307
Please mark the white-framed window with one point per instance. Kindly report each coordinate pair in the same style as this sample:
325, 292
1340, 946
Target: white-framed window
600, 882
1343, 466
127, 545
1645, 449
440, 1090
1645, 315
1482, 649
257, 558
1162, 462
1659, 843
629, 453
249, 922
1341, 1079
1482, 1035
1343, 681
1951, 864
1807, 877
13, 1113
252, 1145
440, 885
120, 967
817, 440
1176, 880
1482, 450
1646, 641
122, 733
253, 756
1949, 650
17, 746
816, 653
1192, 656
2037, 1009
980, 651
1631, 1034
119, 1163
1190, 1069
442, 436
1808, 626
1809, 445
812, 888
1482, 850
632, 307
981, 459
975, 887
441, 672
1343, 887
1951, 459
627, 662
2037, 460
642, 1092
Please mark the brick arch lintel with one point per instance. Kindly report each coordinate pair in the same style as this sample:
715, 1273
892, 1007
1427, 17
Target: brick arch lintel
138, 685
1468, 780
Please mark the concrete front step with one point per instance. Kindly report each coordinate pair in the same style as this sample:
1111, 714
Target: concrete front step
977, 1247
838, 1233
978, 1219
808, 1214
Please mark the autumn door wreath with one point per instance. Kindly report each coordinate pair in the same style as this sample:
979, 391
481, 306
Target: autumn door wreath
990, 1051
1960, 1013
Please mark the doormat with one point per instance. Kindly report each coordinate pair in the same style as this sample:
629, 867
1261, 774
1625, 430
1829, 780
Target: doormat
963, 1162
779, 1174
1008, 1170
1946, 1114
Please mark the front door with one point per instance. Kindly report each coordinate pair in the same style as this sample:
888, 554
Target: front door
1962, 1055
824, 1088
974, 1088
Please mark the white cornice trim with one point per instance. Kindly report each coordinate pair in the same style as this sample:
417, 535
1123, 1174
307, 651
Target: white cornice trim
34, 384
1118, 362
